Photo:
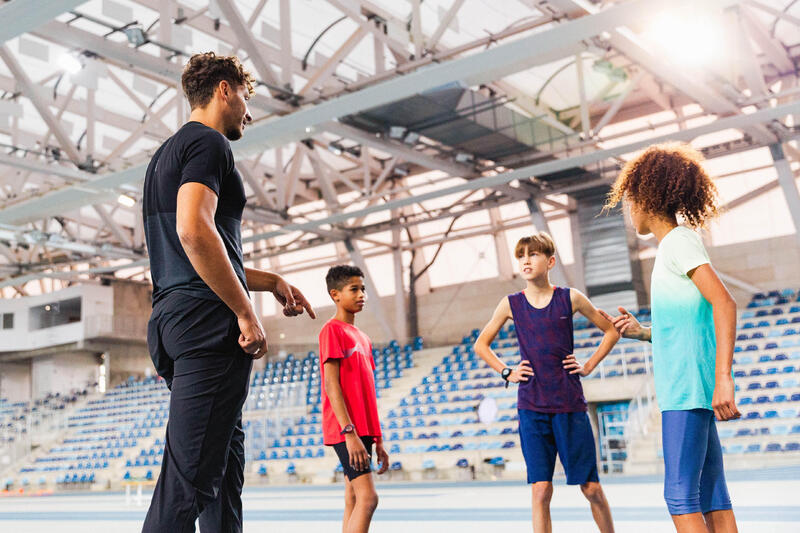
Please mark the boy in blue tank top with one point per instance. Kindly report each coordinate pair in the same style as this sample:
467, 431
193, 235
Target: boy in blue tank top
552, 410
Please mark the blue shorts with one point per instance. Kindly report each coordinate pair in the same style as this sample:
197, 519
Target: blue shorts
543, 435
694, 480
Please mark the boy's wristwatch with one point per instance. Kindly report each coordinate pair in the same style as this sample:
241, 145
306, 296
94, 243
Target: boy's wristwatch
349, 428
505, 373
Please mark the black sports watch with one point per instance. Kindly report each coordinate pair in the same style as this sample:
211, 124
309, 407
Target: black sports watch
505, 373
349, 428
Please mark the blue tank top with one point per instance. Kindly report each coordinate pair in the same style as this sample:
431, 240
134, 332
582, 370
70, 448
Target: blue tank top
545, 339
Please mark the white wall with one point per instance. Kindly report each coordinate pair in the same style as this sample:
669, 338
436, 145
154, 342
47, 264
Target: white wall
62, 373
97, 301
448, 313
15, 381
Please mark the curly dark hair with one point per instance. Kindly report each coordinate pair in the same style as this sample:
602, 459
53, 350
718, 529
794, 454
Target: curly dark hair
667, 180
339, 275
203, 72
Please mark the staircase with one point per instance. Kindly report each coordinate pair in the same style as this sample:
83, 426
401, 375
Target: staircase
643, 433
52, 427
424, 361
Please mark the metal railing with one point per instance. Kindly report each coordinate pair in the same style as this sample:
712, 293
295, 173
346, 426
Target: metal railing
269, 410
41, 423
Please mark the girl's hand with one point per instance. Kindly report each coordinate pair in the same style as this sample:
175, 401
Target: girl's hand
626, 324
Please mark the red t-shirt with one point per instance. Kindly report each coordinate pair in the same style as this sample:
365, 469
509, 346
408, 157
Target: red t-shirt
340, 340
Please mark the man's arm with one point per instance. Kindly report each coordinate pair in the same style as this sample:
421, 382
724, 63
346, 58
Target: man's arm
288, 296
203, 245
724, 309
484, 349
359, 458
261, 280
582, 304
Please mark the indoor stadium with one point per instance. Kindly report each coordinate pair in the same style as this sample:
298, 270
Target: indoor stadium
399, 265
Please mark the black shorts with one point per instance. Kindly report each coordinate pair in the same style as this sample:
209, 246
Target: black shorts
344, 457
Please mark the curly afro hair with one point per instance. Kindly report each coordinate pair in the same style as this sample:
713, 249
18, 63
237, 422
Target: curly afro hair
667, 180
203, 73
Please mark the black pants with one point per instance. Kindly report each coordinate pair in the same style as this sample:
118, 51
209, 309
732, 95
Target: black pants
194, 346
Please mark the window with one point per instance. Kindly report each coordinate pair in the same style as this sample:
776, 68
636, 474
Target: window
55, 314
8, 320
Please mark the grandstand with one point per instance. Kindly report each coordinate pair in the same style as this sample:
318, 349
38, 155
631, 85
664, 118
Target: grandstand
429, 400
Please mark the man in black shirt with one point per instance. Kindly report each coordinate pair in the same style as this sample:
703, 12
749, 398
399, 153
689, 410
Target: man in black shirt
203, 333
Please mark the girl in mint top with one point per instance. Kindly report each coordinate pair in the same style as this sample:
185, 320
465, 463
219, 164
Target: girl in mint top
684, 344
693, 330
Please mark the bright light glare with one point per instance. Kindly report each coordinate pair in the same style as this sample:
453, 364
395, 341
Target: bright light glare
70, 63
126, 200
691, 40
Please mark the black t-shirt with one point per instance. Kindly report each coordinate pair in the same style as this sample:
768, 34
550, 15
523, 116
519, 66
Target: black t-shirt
196, 153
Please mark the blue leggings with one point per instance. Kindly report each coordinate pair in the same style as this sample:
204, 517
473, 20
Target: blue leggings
694, 480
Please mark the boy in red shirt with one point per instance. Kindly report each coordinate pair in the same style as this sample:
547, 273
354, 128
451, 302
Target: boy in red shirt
349, 403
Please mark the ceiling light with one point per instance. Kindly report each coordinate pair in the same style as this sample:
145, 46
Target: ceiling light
691, 39
126, 200
336, 148
69, 63
411, 138
397, 132
135, 35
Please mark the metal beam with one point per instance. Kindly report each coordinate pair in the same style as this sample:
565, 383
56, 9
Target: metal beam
477, 68
787, 182
584, 104
400, 302
22, 280
163, 71
375, 306
402, 151
40, 167
112, 224
540, 223
549, 167
255, 184
748, 60
417, 37
31, 91
629, 44
489, 65
21, 16
504, 267
615, 107
346, 7
768, 43
444, 23
579, 280
58, 242
247, 42
776, 12
286, 43
323, 72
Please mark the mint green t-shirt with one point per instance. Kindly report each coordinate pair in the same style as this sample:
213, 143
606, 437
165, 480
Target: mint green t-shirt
684, 343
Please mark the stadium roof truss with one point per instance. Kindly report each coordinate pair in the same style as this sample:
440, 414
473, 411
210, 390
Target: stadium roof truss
371, 118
